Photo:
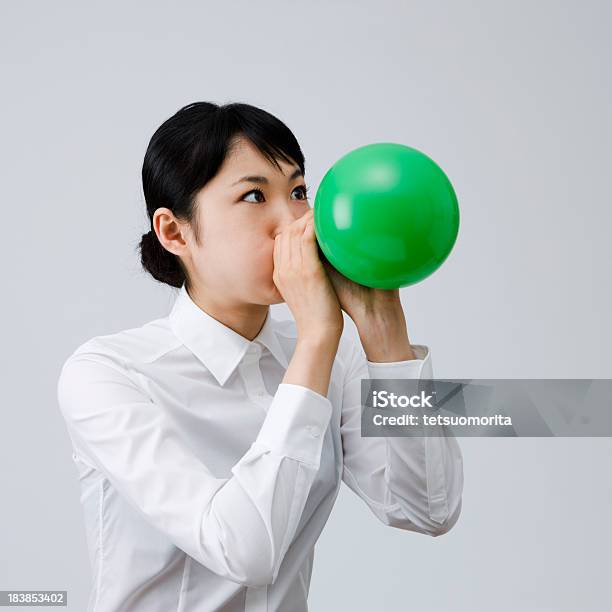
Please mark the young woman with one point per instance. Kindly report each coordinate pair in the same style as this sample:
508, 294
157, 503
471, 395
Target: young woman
211, 443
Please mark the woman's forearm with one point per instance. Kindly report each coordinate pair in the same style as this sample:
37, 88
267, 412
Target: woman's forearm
312, 363
384, 336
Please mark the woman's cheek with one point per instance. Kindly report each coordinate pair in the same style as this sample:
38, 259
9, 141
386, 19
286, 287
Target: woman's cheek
265, 268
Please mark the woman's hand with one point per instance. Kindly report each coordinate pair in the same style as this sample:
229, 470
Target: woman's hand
303, 282
358, 301
378, 315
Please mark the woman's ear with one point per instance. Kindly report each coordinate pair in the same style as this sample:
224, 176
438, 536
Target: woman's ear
170, 231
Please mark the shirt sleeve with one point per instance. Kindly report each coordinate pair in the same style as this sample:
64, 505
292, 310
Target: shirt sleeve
413, 483
238, 527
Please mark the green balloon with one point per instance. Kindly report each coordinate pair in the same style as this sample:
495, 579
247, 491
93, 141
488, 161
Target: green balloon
386, 216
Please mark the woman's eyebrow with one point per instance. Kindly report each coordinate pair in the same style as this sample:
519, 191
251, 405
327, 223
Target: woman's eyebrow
263, 180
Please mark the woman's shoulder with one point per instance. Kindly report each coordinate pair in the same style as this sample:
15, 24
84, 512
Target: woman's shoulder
141, 344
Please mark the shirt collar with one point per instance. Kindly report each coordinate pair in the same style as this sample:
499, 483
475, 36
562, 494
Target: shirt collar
217, 346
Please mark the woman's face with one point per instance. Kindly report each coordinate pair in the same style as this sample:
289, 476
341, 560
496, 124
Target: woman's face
238, 219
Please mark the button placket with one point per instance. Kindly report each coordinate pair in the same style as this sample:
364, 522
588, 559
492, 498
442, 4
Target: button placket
252, 376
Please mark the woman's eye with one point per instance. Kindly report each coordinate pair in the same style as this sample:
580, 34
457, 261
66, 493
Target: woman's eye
258, 191
304, 191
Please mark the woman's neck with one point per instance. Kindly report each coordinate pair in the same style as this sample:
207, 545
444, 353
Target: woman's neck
245, 319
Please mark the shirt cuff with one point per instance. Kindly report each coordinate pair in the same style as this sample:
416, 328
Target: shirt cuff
411, 368
296, 422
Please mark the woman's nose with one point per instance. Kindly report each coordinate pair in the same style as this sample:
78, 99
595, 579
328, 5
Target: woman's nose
287, 217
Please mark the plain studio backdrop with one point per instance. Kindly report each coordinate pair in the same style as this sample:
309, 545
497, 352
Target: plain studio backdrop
512, 99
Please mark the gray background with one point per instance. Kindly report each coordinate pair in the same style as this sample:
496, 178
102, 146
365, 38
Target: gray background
512, 99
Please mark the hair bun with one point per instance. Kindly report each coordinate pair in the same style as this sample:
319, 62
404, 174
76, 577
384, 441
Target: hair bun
160, 263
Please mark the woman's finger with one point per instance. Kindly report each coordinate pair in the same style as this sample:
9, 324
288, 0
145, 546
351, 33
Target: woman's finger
295, 255
309, 244
276, 258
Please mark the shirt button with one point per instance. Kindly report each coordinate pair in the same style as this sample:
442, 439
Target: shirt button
254, 349
259, 393
313, 431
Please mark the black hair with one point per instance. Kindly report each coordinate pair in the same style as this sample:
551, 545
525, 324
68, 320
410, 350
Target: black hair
186, 152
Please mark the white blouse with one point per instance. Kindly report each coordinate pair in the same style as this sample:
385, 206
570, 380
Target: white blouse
206, 481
